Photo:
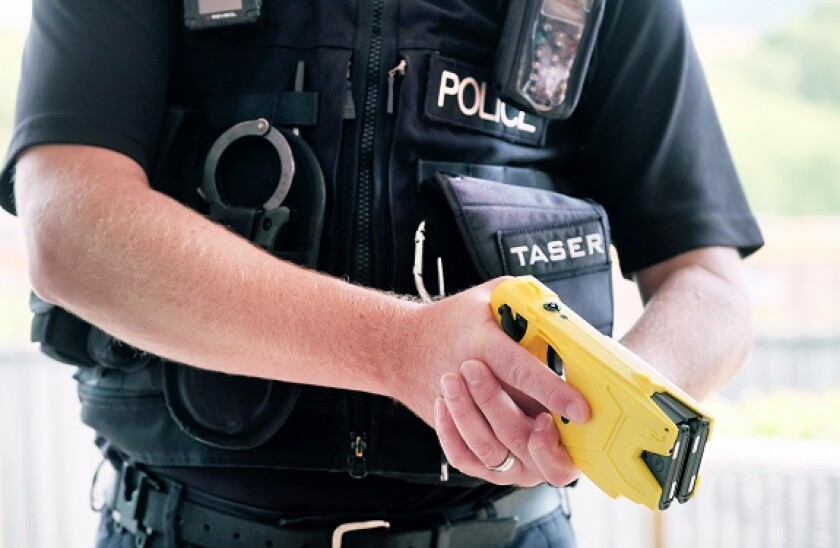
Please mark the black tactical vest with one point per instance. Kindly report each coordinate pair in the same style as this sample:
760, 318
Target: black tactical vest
396, 103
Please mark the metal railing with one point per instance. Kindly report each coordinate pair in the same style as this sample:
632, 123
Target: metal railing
753, 494
47, 456
763, 494
808, 363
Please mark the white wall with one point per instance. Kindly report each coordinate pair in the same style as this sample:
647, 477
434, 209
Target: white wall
47, 456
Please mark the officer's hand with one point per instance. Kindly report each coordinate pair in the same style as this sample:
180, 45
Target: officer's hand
480, 427
445, 334
461, 330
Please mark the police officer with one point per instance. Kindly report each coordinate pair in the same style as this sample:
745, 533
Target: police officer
241, 397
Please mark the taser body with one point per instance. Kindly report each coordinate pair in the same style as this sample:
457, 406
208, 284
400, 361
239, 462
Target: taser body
646, 436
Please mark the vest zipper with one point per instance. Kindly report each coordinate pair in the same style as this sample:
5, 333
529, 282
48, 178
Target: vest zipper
392, 76
363, 260
363, 220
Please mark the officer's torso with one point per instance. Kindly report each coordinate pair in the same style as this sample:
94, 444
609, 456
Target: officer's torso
396, 84
385, 95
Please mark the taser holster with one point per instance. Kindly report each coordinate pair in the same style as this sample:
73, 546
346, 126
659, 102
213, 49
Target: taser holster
645, 438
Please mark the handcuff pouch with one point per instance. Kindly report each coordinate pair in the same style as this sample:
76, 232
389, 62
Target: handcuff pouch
226, 411
233, 411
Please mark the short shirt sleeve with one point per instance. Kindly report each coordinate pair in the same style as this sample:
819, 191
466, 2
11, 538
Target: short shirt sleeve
653, 152
94, 73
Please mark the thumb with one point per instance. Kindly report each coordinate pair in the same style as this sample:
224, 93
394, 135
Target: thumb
490, 285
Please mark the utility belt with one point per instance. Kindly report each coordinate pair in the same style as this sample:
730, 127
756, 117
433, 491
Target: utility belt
148, 506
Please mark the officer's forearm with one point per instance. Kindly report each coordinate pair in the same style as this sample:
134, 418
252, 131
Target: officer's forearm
696, 326
163, 278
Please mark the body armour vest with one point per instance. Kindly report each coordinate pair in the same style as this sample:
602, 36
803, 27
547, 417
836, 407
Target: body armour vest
392, 104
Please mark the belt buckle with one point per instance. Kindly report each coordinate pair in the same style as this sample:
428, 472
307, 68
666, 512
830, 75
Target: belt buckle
341, 530
129, 502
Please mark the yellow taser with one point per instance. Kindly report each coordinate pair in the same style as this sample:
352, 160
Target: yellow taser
646, 437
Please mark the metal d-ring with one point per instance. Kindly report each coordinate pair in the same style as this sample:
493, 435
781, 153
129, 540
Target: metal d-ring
417, 270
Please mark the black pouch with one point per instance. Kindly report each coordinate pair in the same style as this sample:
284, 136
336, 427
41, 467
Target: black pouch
226, 411
112, 353
484, 229
238, 178
242, 177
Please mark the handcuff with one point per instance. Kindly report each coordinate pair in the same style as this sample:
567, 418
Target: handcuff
260, 225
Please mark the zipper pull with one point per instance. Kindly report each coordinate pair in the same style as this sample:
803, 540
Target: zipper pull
349, 105
356, 459
299, 84
392, 75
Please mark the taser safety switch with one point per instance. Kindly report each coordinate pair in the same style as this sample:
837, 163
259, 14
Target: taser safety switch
646, 437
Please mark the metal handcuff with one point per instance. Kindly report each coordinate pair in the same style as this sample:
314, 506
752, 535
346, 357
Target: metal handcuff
259, 225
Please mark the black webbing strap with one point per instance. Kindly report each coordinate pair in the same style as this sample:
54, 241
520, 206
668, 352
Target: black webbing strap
170, 528
62, 335
283, 109
519, 176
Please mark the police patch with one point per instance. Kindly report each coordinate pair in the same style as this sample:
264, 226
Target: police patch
555, 251
462, 95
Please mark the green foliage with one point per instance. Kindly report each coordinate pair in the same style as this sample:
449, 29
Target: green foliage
779, 104
784, 414
813, 45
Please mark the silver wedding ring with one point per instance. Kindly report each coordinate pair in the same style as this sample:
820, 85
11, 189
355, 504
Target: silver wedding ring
506, 465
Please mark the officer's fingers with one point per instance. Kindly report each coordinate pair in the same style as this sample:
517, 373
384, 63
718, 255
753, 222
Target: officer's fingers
459, 455
515, 366
549, 455
509, 423
472, 424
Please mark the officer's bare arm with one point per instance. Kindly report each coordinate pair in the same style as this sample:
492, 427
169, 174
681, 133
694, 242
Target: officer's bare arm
156, 274
696, 326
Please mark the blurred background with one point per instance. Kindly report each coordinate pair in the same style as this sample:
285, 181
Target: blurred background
771, 476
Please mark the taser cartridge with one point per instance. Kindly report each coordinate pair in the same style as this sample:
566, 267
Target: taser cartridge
646, 437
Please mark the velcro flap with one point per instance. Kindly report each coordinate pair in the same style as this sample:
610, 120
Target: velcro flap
518, 230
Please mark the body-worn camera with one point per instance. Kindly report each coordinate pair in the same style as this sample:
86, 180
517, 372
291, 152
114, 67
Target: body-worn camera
211, 14
544, 53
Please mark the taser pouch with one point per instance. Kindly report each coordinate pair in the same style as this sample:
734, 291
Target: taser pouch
483, 229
